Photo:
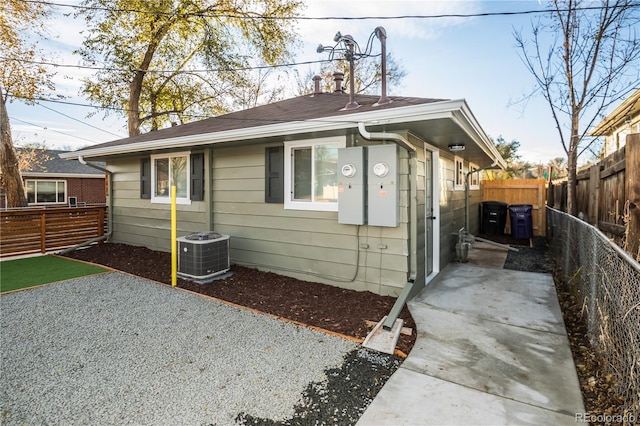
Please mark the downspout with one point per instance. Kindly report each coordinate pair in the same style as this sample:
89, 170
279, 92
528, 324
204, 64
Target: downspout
110, 204
412, 150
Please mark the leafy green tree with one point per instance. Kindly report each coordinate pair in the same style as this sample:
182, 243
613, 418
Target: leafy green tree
558, 167
515, 167
32, 156
170, 61
368, 74
19, 78
584, 57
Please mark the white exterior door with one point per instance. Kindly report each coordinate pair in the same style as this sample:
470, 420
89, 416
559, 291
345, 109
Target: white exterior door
432, 213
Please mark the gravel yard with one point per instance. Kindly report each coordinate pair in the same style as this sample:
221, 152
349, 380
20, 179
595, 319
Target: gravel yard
117, 349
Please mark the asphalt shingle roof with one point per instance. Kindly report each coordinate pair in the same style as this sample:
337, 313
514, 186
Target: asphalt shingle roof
49, 161
308, 107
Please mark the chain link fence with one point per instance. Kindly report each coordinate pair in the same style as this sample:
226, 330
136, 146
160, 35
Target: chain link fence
607, 279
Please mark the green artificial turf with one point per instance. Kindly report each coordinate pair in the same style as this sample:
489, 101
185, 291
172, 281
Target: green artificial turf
33, 271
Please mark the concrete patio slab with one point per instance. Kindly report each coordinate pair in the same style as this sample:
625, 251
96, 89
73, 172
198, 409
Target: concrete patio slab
524, 299
522, 364
411, 398
491, 350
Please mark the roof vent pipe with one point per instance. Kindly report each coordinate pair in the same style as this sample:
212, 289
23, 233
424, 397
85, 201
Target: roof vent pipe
381, 33
316, 84
338, 77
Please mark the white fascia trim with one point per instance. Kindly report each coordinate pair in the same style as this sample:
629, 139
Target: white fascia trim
410, 113
466, 121
614, 119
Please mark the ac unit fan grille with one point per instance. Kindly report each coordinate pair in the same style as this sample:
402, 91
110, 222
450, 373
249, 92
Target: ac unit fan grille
203, 258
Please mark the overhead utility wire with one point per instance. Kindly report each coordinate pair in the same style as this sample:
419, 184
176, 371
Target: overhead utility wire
87, 67
57, 101
79, 121
320, 18
56, 131
222, 117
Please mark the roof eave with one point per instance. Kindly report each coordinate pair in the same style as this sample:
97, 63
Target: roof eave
467, 121
455, 109
616, 117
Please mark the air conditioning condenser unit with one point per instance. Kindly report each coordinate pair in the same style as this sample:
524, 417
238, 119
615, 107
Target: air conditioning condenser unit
203, 255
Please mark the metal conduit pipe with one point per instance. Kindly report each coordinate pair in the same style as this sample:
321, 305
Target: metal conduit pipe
110, 204
412, 150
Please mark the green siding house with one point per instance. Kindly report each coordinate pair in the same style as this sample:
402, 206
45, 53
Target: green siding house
302, 188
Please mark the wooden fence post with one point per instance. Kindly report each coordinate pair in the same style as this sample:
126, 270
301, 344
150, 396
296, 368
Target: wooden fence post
43, 232
632, 172
101, 222
594, 194
550, 193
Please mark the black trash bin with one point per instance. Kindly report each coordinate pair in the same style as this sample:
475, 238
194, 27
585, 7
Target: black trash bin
494, 217
521, 220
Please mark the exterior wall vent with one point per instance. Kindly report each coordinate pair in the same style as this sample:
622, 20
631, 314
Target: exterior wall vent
203, 255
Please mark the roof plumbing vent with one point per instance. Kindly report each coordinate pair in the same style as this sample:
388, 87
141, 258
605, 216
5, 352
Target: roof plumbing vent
381, 33
316, 84
338, 77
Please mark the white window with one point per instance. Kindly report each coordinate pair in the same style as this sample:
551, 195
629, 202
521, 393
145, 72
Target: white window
168, 170
458, 182
46, 191
311, 174
474, 178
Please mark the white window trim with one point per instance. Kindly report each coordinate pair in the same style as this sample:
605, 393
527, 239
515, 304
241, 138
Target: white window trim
66, 190
289, 203
475, 178
458, 186
167, 200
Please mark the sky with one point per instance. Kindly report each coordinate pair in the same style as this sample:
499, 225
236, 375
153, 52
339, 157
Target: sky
450, 58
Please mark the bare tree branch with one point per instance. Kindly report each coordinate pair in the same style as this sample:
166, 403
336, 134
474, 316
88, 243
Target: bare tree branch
591, 62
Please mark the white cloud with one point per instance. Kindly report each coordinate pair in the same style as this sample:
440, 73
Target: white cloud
421, 29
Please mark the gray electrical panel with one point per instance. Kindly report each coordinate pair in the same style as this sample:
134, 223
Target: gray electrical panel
351, 186
382, 168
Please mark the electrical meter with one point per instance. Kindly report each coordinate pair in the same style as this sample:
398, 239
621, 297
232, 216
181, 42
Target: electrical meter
349, 170
381, 169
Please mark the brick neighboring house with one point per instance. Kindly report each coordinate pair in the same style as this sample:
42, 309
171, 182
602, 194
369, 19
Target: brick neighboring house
53, 181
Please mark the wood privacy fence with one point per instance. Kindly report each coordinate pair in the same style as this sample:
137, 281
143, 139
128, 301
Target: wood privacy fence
519, 191
608, 195
39, 230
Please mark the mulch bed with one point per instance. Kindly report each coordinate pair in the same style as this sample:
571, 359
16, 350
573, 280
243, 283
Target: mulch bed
319, 305
346, 311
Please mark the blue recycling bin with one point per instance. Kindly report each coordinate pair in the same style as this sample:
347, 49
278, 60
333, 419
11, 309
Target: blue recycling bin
521, 220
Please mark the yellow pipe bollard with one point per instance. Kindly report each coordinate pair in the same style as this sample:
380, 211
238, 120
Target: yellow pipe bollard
174, 236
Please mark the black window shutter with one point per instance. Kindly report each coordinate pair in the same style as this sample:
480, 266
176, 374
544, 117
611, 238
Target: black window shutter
274, 175
145, 178
197, 177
